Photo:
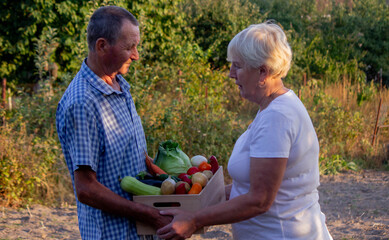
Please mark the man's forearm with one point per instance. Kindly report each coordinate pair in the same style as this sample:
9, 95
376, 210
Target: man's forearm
92, 193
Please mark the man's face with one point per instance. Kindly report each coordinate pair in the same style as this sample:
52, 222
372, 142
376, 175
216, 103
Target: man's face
124, 51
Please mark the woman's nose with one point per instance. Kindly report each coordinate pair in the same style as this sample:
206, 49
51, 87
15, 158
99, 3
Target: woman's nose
232, 73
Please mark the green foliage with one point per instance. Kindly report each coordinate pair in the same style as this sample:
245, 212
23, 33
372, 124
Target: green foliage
186, 103
164, 31
369, 21
353, 33
339, 131
335, 165
216, 22
33, 168
327, 42
300, 15
25, 21
335, 41
368, 91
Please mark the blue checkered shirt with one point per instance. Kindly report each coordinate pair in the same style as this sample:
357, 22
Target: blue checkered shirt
99, 127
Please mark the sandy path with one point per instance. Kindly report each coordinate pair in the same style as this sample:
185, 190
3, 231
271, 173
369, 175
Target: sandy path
356, 206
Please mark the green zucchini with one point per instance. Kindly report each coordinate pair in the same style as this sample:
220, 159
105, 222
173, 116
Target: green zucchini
136, 187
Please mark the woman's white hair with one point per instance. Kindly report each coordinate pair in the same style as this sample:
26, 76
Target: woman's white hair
263, 44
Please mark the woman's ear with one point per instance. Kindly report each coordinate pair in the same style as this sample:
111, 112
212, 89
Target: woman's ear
263, 71
263, 74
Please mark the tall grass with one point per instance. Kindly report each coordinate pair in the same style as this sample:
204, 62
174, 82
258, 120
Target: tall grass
344, 116
32, 168
31, 161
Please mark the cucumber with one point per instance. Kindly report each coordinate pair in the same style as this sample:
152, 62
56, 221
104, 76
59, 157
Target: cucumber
136, 187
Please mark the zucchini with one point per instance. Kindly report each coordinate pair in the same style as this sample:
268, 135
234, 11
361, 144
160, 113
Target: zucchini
136, 187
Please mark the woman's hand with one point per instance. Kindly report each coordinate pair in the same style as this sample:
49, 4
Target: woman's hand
182, 226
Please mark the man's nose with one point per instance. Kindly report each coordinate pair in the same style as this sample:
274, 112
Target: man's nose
135, 55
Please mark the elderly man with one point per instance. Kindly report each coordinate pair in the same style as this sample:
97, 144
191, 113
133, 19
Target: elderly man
101, 133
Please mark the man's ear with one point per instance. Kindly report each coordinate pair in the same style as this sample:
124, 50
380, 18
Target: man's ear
101, 46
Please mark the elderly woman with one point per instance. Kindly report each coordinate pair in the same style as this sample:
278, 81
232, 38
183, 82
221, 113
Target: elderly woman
274, 164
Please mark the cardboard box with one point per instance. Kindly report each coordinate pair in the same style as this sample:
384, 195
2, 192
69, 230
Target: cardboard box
212, 194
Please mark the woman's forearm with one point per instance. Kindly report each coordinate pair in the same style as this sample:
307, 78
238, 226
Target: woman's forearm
265, 179
237, 209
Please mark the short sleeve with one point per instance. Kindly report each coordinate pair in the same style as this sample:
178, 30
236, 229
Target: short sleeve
270, 136
82, 136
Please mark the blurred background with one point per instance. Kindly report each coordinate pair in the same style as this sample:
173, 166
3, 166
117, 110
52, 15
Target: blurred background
180, 84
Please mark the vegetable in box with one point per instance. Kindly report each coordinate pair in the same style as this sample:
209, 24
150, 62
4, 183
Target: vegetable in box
171, 158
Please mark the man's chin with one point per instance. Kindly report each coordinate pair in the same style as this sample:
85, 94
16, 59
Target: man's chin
123, 71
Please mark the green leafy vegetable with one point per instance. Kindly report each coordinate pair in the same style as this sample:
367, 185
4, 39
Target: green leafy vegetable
171, 158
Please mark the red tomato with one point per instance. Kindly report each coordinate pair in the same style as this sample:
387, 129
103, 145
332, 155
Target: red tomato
185, 177
192, 170
182, 175
204, 166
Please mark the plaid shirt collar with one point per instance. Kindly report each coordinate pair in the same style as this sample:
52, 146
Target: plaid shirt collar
100, 84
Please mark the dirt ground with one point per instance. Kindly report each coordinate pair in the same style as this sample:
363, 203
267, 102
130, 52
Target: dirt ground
356, 206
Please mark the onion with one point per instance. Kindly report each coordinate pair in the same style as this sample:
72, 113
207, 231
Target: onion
196, 160
200, 178
168, 186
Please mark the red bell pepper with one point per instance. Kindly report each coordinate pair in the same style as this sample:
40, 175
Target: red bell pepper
214, 164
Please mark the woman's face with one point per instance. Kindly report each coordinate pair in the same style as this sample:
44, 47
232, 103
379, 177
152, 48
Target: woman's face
247, 79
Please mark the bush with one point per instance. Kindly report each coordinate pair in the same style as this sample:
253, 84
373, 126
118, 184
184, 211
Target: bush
335, 164
338, 130
186, 103
32, 167
216, 22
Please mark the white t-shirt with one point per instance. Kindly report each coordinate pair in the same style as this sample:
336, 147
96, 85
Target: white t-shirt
282, 130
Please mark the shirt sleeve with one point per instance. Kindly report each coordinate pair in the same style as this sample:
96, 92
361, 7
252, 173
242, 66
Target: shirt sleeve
271, 136
82, 136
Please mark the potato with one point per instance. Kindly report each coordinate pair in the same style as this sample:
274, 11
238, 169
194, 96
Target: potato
208, 173
200, 178
168, 186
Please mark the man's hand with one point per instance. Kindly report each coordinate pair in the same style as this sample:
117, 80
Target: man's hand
93, 193
161, 221
182, 226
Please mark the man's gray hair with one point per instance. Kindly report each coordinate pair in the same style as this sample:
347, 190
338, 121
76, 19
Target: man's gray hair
106, 22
